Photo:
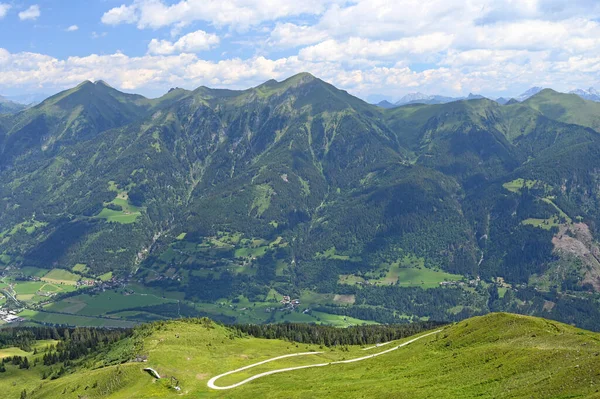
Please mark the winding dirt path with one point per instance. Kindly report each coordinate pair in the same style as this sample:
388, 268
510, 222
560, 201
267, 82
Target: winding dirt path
211, 382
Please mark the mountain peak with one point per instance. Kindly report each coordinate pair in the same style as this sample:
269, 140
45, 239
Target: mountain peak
531, 92
102, 83
298, 79
589, 94
303, 75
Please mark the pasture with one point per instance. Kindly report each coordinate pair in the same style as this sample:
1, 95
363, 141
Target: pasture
61, 276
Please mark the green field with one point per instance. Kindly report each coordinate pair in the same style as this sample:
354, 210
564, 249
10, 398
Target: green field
406, 272
331, 254
104, 303
61, 276
545, 224
37, 291
128, 213
73, 320
516, 185
106, 276
493, 356
31, 271
80, 268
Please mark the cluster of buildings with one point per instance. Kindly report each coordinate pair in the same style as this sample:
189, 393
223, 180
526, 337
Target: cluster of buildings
471, 283
289, 303
9, 316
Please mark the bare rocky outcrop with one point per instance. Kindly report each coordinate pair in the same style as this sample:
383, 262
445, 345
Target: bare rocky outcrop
576, 239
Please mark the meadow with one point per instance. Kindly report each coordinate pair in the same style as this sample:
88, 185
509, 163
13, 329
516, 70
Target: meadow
120, 210
61, 276
409, 271
497, 355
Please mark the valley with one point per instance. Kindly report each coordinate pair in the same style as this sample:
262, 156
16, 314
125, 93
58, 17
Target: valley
222, 203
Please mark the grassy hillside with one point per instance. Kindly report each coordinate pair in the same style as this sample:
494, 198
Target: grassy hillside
498, 355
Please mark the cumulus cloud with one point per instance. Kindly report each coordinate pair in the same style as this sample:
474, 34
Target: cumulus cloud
4, 9
72, 28
289, 35
119, 15
498, 69
32, 13
236, 13
364, 46
190, 43
353, 48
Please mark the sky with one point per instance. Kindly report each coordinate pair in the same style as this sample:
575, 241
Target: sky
374, 49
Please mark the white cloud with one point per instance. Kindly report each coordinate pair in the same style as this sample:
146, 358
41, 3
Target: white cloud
4, 9
31, 13
359, 48
98, 35
119, 15
239, 14
488, 72
72, 28
190, 43
364, 46
292, 35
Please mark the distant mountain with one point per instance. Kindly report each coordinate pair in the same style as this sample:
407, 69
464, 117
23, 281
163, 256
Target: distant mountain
386, 104
420, 98
29, 99
531, 92
472, 96
589, 94
10, 107
502, 100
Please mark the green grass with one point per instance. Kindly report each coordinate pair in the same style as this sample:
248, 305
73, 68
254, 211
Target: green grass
118, 216
73, 320
80, 268
30, 226
106, 276
560, 211
262, 198
61, 276
516, 185
251, 252
408, 271
28, 287
31, 271
127, 215
498, 355
331, 254
104, 303
545, 224
338, 320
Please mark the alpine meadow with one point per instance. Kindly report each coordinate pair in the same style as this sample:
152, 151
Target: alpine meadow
256, 199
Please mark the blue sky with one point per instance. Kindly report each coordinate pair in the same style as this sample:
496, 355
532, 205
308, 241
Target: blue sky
372, 48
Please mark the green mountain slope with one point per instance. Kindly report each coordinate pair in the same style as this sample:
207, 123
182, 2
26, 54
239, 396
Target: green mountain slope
499, 355
216, 197
568, 108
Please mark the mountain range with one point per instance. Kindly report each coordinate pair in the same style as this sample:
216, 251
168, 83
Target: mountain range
10, 107
420, 98
436, 211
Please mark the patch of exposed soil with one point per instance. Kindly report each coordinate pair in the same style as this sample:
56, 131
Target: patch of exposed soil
576, 239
